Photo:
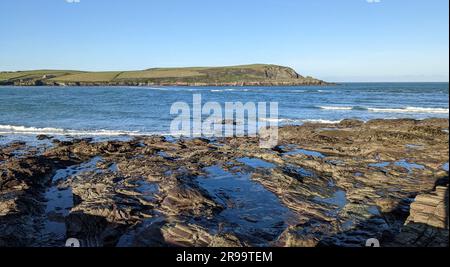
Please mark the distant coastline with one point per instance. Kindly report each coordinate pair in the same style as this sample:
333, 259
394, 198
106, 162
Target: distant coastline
244, 75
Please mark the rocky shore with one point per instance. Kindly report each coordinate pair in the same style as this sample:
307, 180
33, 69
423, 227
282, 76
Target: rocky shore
324, 185
268, 83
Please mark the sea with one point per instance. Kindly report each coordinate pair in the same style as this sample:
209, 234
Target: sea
119, 112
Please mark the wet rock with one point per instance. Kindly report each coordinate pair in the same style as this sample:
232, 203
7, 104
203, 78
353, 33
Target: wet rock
431, 209
181, 199
154, 191
348, 123
44, 137
22, 182
427, 225
92, 231
180, 234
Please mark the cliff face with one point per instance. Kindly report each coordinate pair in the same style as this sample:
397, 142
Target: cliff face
246, 75
277, 72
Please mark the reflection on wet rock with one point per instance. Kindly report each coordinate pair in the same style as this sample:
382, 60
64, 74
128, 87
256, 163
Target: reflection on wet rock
319, 187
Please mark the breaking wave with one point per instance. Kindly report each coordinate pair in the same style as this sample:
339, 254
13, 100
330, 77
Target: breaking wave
288, 121
411, 110
335, 108
228, 90
389, 110
322, 121
11, 129
278, 120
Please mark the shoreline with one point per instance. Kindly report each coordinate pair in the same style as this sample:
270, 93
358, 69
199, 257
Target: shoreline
239, 84
324, 85
325, 184
105, 134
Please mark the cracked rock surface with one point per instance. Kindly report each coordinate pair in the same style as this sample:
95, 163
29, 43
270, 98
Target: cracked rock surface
323, 185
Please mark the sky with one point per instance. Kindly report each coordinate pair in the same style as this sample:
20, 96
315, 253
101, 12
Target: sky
334, 40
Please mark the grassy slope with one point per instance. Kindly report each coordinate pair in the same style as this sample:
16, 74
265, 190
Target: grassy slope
34, 74
88, 77
244, 73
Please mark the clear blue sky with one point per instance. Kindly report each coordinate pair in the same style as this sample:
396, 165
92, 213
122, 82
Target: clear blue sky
336, 40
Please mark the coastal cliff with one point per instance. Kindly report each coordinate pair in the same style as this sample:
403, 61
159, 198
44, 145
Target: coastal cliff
245, 75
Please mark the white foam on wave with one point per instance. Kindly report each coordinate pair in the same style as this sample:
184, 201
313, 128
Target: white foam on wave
301, 120
390, 110
411, 110
272, 120
230, 90
224, 90
144, 88
11, 129
157, 88
322, 121
335, 108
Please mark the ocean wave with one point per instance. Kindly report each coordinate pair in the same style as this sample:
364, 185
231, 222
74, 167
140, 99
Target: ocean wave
157, 88
389, 110
335, 108
279, 120
145, 88
295, 91
284, 120
322, 121
227, 90
410, 110
12, 129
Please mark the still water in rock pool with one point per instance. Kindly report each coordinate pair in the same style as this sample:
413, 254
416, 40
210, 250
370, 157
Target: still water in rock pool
252, 212
60, 201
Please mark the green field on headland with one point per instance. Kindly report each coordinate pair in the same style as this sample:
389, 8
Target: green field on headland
244, 75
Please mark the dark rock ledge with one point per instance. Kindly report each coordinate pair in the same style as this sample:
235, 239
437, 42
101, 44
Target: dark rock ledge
324, 185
